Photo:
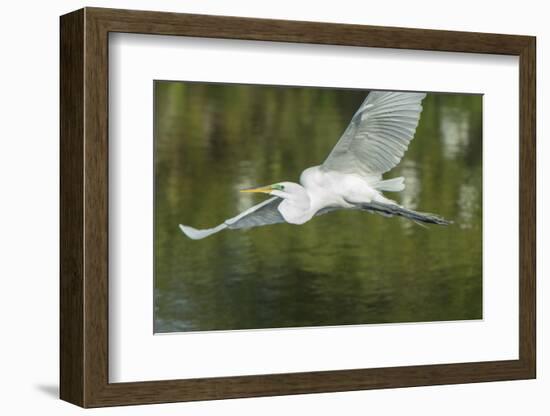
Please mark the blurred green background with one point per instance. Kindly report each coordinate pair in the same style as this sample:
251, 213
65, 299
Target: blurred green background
343, 268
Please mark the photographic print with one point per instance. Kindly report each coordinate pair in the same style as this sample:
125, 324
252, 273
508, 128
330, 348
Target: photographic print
281, 207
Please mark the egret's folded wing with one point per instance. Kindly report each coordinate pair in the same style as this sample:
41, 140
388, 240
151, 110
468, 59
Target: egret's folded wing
378, 134
263, 213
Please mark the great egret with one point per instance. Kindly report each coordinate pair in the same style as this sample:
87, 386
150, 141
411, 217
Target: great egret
351, 177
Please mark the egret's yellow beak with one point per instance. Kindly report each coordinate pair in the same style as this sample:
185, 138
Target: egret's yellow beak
262, 189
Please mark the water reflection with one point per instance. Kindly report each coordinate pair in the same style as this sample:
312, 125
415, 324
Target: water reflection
468, 201
454, 130
341, 268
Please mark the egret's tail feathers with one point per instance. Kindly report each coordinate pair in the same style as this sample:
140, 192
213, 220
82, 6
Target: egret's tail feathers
391, 210
195, 234
390, 185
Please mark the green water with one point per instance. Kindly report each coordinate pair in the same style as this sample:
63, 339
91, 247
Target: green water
341, 268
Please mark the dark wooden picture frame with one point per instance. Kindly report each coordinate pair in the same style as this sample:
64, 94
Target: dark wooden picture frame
84, 207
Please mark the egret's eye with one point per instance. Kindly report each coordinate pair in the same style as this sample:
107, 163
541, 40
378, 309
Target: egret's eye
279, 187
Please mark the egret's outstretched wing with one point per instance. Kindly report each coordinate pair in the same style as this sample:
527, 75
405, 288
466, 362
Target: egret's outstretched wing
378, 134
264, 213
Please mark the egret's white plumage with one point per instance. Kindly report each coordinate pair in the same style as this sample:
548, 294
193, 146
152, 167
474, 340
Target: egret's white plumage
351, 177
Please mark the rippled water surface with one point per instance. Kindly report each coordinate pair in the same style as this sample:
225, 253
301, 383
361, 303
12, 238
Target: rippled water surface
342, 268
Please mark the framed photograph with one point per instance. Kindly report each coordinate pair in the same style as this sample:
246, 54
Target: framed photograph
254, 207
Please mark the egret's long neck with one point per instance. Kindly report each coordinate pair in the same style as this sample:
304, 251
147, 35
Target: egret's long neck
296, 205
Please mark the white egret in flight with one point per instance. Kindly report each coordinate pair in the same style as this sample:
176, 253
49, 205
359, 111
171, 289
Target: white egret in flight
351, 177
